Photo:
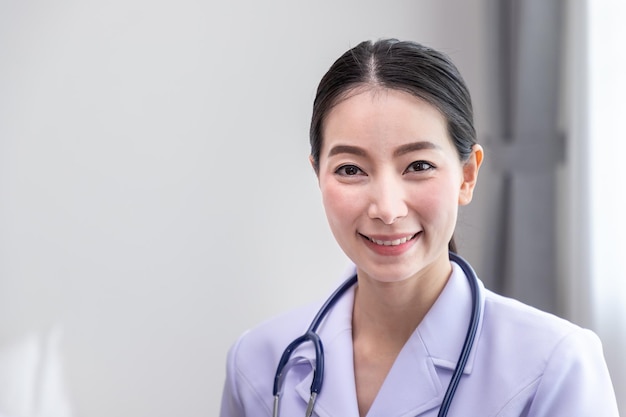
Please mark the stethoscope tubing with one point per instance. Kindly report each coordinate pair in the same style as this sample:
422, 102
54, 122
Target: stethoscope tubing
311, 336
472, 329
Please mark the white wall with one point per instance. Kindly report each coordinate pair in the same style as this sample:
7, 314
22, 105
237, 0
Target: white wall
155, 194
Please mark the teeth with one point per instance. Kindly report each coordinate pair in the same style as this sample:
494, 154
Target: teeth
395, 242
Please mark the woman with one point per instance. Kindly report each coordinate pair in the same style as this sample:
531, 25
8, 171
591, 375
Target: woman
394, 149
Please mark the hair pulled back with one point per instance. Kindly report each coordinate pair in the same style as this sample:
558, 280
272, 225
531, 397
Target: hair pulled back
400, 65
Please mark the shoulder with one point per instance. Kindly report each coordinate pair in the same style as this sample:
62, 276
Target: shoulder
269, 338
503, 312
551, 364
257, 351
529, 331
252, 362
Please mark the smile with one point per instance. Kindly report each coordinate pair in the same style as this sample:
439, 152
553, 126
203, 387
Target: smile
394, 242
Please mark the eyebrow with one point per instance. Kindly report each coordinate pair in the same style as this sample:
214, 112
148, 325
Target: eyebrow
401, 150
415, 146
354, 150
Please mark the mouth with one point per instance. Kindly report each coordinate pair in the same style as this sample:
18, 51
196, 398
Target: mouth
393, 242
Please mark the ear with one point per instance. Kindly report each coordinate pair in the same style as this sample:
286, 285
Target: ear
315, 169
470, 175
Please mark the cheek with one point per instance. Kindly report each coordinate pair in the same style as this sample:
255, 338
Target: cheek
437, 202
341, 205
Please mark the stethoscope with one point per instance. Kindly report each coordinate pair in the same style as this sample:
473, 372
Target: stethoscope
313, 337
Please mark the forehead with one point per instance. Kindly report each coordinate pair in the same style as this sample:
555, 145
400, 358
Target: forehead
384, 117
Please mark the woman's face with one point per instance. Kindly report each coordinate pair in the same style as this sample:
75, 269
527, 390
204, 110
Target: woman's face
391, 183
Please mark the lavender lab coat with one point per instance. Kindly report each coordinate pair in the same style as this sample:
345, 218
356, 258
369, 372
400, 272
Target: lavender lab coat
524, 363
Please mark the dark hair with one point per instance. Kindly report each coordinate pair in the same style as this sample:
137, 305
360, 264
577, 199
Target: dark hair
399, 65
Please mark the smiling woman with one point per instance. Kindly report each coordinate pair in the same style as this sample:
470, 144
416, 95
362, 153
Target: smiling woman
394, 150
392, 207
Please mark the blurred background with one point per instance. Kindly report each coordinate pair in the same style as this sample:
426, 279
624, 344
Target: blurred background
156, 199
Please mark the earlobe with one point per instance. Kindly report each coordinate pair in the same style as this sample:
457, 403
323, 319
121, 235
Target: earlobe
470, 175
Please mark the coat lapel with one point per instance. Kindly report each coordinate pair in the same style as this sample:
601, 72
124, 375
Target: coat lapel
419, 377
445, 326
412, 385
338, 395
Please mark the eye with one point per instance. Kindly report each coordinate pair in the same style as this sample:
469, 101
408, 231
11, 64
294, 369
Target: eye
349, 170
419, 166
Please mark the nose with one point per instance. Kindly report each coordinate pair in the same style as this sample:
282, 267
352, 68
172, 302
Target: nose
388, 201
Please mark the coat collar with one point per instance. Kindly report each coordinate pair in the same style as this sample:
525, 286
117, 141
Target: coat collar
338, 394
413, 384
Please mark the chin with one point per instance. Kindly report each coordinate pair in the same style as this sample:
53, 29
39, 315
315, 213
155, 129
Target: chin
387, 273
401, 271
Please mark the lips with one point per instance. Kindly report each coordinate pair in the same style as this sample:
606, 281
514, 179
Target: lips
391, 241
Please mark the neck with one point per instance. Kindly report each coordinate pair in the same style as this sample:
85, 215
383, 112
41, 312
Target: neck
391, 311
